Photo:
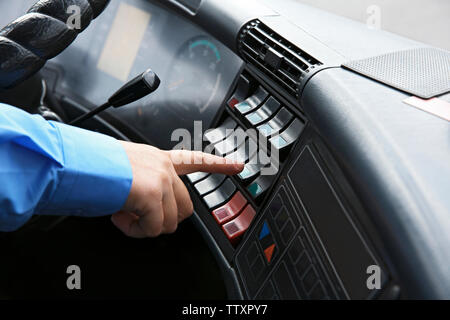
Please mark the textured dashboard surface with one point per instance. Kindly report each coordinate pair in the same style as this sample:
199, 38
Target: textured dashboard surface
424, 72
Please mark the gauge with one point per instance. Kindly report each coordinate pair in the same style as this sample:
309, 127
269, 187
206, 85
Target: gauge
195, 76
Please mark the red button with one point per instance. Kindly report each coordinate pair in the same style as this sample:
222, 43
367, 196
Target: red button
237, 227
233, 102
230, 210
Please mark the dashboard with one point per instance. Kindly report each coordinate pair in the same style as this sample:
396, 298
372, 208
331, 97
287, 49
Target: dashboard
176, 50
355, 192
184, 57
361, 180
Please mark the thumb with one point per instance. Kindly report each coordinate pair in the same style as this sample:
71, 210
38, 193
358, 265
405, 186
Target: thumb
128, 223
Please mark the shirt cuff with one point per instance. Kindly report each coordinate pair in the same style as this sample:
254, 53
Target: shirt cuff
96, 179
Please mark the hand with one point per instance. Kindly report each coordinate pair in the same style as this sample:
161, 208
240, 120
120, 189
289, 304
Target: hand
158, 200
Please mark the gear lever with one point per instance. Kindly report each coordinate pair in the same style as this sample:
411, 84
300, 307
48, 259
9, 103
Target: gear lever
141, 86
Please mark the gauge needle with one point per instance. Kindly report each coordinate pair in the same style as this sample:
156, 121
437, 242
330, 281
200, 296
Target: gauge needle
175, 84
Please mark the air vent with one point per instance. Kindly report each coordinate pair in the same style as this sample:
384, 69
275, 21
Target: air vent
276, 57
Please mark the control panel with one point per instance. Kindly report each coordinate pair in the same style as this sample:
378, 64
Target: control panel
278, 261
282, 223
257, 129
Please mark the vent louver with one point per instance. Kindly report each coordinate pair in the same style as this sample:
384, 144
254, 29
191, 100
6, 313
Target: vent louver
276, 57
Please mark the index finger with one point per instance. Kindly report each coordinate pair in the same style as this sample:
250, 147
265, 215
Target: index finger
186, 162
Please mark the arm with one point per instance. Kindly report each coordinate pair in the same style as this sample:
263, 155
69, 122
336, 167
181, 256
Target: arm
159, 200
54, 169
50, 168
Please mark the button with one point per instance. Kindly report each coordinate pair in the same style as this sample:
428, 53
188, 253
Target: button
252, 102
310, 279
254, 118
237, 227
288, 136
257, 268
209, 184
221, 195
288, 232
280, 121
250, 171
283, 281
281, 219
318, 293
296, 250
269, 108
267, 292
255, 189
279, 142
233, 102
276, 205
244, 152
258, 187
235, 140
266, 130
252, 254
303, 264
260, 162
222, 132
243, 107
294, 130
197, 176
230, 210
253, 168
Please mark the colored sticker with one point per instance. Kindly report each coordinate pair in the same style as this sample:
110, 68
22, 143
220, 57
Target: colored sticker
264, 231
435, 106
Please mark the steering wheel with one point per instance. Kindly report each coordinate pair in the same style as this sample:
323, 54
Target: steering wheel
48, 28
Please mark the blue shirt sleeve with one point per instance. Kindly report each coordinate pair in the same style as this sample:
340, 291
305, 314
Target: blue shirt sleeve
49, 168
